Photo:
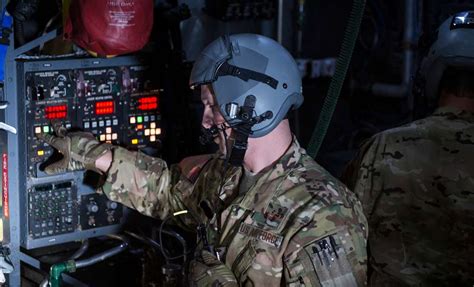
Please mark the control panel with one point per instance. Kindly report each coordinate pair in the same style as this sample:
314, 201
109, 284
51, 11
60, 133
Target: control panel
99, 96
52, 209
50, 95
114, 99
143, 123
113, 103
97, 211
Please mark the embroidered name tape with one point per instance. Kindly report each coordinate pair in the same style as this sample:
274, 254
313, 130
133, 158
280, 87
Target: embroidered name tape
261, 235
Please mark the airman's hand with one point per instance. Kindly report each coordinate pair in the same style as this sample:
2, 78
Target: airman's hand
80, 150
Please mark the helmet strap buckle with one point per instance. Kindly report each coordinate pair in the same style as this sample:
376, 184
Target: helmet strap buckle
243, 130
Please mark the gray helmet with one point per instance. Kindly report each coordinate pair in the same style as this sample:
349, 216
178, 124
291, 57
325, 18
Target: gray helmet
453, 47
243, 65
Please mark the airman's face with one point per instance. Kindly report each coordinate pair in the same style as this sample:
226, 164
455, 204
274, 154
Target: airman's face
212, 115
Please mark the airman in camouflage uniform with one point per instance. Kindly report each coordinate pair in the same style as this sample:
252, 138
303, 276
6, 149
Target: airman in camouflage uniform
297, 225
416, 183
291, 223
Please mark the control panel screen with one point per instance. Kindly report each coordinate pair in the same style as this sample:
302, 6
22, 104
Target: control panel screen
148, 103
104, 108
55, 112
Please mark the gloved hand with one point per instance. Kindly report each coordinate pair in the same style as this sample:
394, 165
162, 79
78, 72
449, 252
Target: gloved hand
80, 149
211, 272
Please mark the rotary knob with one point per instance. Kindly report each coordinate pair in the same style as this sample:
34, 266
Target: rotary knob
92, 207
112, 205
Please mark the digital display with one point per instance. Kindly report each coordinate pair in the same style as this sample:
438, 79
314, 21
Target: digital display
147, 103
104, 108
55, 112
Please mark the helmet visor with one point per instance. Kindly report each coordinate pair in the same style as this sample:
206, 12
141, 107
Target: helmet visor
205, 68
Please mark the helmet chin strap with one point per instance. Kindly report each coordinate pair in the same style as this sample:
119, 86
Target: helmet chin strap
239, 147
243, 129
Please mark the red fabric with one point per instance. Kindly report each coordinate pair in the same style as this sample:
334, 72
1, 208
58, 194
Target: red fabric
110, 27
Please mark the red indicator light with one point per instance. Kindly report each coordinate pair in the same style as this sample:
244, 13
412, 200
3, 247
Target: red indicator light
104, 108
55, 112
148, 103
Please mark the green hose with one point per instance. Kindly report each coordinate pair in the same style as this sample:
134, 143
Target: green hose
58, 269
342, 64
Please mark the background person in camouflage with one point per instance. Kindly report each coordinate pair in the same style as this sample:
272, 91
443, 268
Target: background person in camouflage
278, 218
416, 182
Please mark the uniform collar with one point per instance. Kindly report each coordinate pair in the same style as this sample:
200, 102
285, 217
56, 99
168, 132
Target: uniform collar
290, 160
287, 161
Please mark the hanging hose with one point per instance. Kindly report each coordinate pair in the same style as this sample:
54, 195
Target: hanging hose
106, 254
79, 252
83, 249
71, 265
342, 64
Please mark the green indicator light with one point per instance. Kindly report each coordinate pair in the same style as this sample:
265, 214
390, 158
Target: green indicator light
139, 120
46, 129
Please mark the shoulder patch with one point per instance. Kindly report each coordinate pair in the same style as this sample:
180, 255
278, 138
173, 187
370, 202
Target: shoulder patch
331, 262
191, 166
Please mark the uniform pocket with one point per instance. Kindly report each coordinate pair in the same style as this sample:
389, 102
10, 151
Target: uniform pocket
243, 261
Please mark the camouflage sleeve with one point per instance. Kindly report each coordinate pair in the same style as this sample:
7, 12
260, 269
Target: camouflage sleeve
330, 250
146, 184
360, 173
351, 171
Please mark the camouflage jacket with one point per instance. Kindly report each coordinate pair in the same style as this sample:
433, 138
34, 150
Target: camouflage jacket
297, 225
416, 184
